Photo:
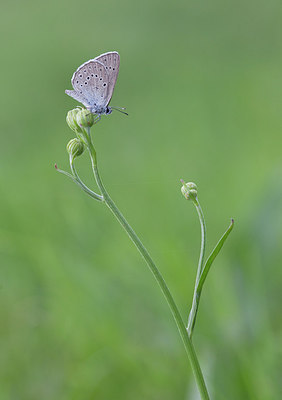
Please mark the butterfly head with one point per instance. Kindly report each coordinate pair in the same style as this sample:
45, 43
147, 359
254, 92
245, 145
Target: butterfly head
108, 110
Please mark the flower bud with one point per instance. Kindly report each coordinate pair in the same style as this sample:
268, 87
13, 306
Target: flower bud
84, 118
72, 122
189, 190
75, 148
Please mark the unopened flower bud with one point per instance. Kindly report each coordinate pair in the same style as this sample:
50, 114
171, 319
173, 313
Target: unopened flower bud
189, 190
75, 148
84, 118
72, 122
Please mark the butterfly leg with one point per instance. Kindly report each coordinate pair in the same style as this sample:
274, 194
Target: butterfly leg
97, 119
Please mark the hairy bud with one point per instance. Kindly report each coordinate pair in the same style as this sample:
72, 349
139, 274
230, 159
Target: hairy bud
75, 148
189, 190
72, 122
84, 118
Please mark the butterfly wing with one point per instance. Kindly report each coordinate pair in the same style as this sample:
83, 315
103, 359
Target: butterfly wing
77, 96
90, 81
111, 61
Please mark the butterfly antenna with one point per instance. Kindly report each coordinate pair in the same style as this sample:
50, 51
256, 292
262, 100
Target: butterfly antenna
120, 109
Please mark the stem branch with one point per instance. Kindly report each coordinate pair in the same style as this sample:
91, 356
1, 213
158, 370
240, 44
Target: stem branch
82, 185
197, 292
144, 253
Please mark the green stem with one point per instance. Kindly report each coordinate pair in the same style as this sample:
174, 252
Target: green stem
197, 293
144, 253
81, 184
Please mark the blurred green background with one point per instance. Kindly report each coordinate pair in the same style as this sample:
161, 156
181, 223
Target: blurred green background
81, 317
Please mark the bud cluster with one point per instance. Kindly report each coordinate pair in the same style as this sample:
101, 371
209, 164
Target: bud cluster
79, 119
189, 190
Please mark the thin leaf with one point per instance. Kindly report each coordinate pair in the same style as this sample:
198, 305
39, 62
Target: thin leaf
213, 255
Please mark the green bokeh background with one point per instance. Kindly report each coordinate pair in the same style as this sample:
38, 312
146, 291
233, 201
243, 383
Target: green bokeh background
80, 315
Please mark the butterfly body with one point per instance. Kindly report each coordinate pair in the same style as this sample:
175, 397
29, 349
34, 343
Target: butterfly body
94, 82
99, 110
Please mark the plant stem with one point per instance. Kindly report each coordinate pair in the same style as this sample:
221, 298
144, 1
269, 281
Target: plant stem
197, 293
78, 181
144, 253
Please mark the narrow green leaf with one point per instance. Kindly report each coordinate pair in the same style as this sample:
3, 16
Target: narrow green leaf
213, 255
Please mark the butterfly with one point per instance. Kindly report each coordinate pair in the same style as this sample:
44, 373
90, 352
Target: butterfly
94, 82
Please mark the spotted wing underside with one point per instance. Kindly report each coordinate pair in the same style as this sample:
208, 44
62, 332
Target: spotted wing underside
111, 61
94, 81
